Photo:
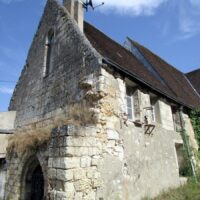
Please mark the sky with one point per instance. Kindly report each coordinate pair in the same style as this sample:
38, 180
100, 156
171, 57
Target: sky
170, 28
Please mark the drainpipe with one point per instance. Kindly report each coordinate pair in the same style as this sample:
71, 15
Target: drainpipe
185, 140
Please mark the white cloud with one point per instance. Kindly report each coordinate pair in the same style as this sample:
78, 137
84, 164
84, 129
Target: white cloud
131, 7
195, 2
9, 1
6, 90
189, 16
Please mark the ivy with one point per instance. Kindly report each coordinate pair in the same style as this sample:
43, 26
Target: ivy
195, 118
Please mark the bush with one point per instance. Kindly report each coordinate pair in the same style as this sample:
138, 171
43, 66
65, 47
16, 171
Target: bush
189, 191
195, 118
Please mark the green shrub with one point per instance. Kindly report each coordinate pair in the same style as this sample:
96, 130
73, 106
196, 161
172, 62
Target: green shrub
195, 118
189, 191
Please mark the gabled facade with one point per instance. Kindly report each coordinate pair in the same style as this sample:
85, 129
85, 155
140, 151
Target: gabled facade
113, 116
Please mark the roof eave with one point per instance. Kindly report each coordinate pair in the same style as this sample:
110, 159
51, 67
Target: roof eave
120, 68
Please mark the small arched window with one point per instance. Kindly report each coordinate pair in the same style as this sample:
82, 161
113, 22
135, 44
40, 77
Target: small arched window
48, 58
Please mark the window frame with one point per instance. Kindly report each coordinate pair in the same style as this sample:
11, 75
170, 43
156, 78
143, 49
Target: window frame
131, 98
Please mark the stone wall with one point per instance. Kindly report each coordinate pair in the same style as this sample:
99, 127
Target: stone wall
37, 97
134, 164
73, 160
2, 177
40, 101
16, 168
113, 158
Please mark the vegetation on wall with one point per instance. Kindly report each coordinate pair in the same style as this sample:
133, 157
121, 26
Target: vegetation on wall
189, 191
31, 137
195, 118
27, 139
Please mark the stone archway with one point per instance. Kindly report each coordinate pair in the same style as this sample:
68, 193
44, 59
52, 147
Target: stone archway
32, 181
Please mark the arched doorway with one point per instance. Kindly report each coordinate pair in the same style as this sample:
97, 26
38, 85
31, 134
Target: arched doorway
33, 181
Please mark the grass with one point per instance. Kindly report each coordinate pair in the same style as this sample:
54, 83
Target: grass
27, 140
189, 191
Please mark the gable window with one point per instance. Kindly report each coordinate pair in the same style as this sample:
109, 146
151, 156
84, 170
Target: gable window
48, 53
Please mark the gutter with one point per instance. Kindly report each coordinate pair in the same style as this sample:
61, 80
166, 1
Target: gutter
115, 65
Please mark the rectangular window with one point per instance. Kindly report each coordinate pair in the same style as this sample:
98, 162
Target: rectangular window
129, 103
153, 116
176, 119
153, 101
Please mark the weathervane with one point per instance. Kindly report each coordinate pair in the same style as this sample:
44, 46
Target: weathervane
89, 3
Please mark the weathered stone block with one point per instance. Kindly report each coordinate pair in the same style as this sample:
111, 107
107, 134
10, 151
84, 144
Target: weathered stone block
69, 187
78, 196
89, 196
74, 151
52, 173
69, 163
82, 185
85, 161
112, 134
79, 174
64, 175
80, 141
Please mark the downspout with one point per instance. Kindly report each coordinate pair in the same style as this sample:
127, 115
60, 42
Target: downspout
186, 143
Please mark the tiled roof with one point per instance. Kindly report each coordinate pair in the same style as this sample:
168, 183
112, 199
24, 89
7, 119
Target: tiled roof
194, 78
177, 86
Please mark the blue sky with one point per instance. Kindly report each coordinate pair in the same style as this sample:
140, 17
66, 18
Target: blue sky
170, 28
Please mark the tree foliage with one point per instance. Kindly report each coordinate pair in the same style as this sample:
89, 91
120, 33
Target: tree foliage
195, 118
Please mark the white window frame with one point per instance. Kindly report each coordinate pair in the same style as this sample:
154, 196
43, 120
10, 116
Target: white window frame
132, 106
153, 113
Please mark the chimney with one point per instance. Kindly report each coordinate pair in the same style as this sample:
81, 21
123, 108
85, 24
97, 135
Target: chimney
76, 10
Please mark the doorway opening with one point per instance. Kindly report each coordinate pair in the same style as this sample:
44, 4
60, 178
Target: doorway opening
33, 181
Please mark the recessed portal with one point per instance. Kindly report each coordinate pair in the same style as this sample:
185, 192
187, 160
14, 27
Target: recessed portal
183, 161
33, 181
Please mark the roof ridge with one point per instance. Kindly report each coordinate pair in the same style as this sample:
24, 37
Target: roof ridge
194, 71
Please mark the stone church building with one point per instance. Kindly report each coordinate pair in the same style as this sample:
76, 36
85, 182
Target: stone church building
95, 120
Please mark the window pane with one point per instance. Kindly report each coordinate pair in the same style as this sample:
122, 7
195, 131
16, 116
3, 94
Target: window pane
129, 107
153, 114
130, 113
129, 101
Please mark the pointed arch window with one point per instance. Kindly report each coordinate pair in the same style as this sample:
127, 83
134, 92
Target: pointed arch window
48, 58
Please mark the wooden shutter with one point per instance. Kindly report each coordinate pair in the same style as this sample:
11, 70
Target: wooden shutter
176, 119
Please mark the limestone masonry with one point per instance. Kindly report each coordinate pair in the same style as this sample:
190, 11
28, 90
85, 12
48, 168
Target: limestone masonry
96, 121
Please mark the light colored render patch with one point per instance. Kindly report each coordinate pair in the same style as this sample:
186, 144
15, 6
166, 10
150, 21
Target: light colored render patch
7, 120
3, 145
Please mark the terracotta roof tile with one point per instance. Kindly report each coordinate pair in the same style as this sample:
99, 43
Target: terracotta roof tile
194, 78
177, 88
